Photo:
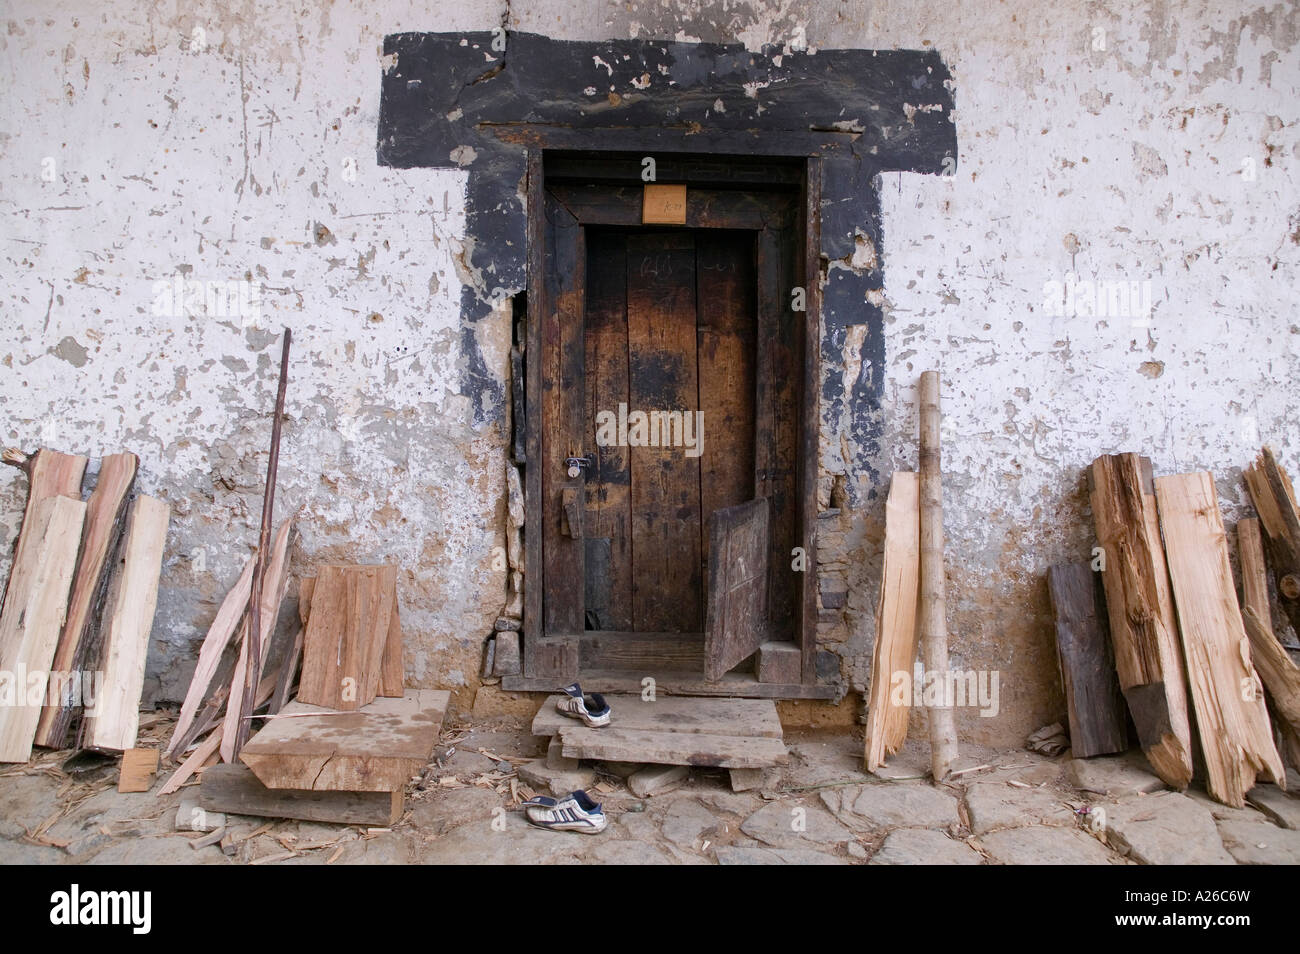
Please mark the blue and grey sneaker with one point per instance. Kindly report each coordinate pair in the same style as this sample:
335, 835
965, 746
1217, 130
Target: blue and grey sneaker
592, 709
575, 812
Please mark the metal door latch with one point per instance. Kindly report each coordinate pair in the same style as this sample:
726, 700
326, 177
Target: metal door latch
577, 465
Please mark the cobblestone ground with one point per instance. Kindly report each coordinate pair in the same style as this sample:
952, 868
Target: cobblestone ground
1005, 807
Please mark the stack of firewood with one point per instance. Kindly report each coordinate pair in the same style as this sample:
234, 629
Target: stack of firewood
78, 606
1170, 638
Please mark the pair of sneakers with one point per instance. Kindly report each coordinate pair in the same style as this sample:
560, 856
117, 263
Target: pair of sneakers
576, 811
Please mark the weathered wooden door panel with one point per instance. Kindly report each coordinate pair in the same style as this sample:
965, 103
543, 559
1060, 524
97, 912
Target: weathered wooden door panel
609, 481
736, 621
562, 398
663, 380
725, 340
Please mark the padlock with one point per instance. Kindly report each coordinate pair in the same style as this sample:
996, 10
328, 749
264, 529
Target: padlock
574, 471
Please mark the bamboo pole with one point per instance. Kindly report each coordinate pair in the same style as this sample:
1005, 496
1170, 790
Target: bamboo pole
933, 617
253, 673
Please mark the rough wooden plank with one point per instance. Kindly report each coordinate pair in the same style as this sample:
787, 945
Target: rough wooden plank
34, 611
609, 482
1093, 700
733, 717
375, 749
736, 618
1236, 738
1275, 502
111, 724
137, 770
705, 208
725, 329
662, 379
229, 614
235, 789
78, 650
346, 635
1143, 630
671, 748
895, 649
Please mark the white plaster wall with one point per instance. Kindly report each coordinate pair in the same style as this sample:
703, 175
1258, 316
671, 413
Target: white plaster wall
220, 152
1120, 163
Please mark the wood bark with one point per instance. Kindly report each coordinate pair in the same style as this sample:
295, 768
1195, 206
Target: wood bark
80, 640
1094, 702
933, 617
1274, 498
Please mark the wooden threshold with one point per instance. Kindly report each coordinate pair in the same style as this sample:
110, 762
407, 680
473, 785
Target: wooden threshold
673, 684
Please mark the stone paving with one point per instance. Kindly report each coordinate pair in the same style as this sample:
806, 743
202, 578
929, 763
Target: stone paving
1004, 807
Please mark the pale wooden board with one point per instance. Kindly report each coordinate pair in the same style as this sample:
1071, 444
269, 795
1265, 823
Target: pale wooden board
133, 596
34, 610
137, 770
671, 748
235, 789
1236, 738
692, 714
895, 649
375, 749
49, 474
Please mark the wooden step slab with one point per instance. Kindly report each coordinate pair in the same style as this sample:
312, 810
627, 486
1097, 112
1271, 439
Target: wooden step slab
235, 789
755, 718
671, 748
374, 749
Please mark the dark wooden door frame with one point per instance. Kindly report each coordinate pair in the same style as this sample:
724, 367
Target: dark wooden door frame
723, 192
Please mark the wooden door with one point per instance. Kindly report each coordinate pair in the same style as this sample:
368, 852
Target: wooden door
679, 320
670, 362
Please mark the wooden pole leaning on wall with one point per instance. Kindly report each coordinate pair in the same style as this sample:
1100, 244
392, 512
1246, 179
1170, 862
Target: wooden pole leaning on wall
932, 611
253, 673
